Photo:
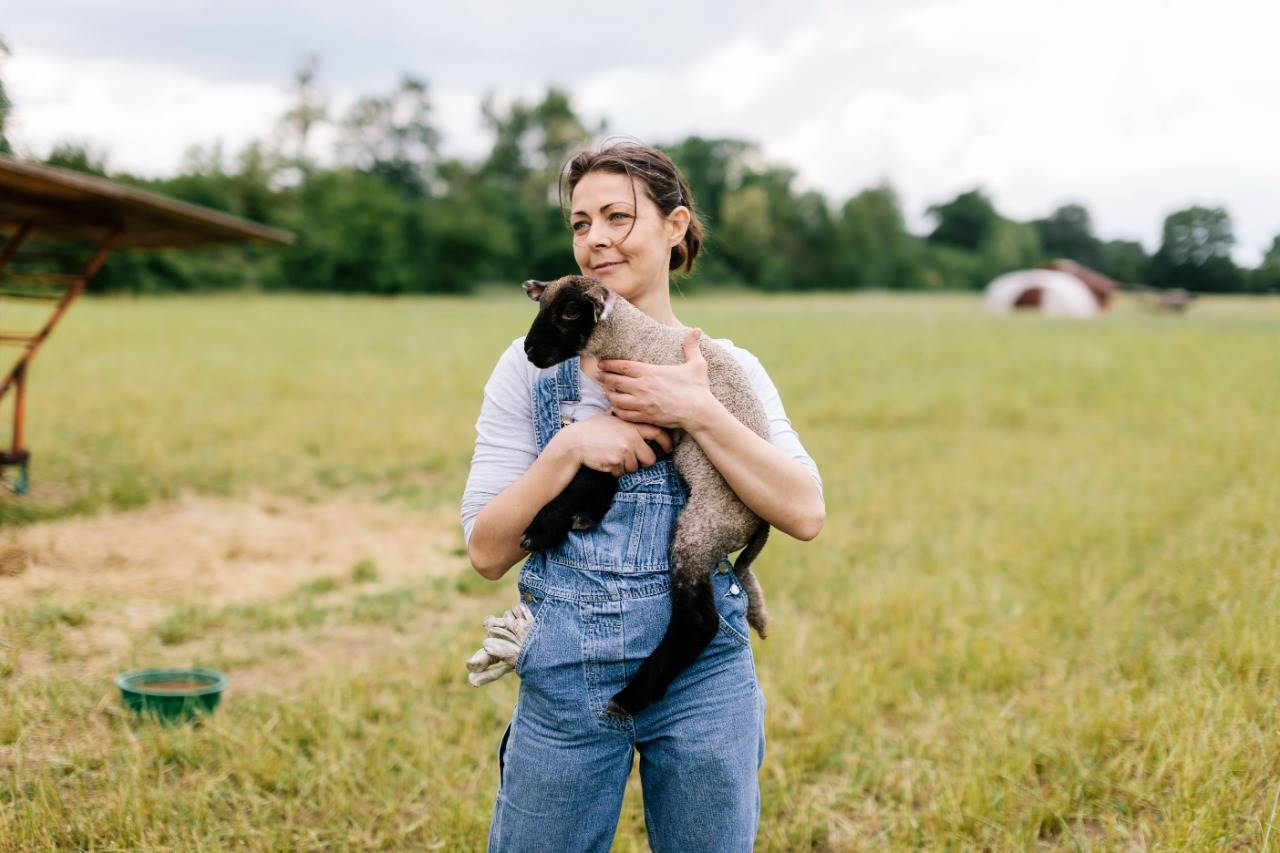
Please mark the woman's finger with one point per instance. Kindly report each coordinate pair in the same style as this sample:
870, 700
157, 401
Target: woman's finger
619, 382
623, 366
658, 434
623, 401
644, 453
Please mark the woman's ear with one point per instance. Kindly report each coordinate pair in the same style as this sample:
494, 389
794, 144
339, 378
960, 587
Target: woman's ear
533, 289
677, 224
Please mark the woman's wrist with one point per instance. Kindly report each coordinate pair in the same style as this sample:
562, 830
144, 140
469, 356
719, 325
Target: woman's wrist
564, 445
704, 416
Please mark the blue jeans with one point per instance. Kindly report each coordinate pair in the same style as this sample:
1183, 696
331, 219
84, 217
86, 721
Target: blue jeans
563, 763
601, 602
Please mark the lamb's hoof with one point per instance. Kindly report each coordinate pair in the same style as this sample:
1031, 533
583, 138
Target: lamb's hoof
583, 522
540, 537
760, 623
615, 710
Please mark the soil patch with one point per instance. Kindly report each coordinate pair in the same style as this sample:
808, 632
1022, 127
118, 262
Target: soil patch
222, 551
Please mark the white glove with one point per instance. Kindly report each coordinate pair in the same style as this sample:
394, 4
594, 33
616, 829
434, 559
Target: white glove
497, 656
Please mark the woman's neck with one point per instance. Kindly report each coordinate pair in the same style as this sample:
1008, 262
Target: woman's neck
657, 304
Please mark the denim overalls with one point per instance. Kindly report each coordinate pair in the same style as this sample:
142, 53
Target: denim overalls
601, 603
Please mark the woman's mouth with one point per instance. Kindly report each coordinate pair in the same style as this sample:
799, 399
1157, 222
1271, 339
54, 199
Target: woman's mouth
606, 267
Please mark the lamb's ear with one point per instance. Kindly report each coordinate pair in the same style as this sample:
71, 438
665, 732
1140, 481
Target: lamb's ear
603, 299
533, 289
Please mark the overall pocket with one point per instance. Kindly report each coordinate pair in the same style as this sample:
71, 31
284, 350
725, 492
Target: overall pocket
536, 601
731, 605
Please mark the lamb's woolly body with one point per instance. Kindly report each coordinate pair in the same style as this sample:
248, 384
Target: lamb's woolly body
714, 521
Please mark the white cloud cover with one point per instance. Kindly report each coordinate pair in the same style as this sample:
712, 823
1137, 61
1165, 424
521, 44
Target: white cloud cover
1135, 109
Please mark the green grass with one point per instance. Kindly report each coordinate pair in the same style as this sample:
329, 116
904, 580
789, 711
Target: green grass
1043, 610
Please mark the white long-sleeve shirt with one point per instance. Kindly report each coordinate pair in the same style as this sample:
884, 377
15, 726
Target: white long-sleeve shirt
505, 443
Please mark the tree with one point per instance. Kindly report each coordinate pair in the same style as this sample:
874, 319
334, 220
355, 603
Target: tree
79, 156
1068, 233
518, 181
1124, 260
310, 108
746, 230
5, 104
970, 223
393, 135
1266, 278
1009, 246
712, 168
874, 248
965, 222
1195, 252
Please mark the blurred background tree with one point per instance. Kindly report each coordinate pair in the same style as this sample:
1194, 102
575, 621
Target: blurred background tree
1195, 252
5, 105
385, 212
1266, 278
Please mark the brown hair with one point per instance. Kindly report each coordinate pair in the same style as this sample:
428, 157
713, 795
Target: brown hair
657, 173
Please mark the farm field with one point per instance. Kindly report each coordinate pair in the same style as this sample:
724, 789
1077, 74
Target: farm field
1044, 612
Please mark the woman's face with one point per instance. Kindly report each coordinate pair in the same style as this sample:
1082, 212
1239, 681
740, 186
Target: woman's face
603, 211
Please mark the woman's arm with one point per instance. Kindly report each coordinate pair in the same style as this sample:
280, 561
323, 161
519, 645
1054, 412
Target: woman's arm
601, 441
772, 484
775, 486
494, 546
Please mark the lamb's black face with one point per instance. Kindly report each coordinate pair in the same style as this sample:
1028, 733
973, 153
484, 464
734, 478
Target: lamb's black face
567, 314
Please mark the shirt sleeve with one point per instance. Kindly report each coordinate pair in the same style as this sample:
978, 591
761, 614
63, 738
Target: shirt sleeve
781, 434
505, 445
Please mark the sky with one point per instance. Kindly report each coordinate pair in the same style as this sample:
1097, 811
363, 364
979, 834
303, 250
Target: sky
1134, 108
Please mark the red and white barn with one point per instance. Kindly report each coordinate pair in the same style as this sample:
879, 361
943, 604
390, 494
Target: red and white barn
1060, 288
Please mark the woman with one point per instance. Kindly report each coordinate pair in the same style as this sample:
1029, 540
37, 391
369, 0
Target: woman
601, 600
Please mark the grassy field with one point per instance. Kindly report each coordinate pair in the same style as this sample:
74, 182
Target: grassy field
1043, 611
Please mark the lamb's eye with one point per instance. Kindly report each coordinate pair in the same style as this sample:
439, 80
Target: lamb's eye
570, 313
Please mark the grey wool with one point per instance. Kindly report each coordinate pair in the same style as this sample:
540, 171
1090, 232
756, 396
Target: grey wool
585, 316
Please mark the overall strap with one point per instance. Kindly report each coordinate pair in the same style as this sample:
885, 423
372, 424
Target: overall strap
553, 397
567, 390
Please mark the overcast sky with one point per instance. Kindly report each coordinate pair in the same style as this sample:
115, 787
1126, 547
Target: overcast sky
1133, 107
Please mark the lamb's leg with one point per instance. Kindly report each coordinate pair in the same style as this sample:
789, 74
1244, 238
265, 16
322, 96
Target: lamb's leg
757, 615
694, 620
582, 504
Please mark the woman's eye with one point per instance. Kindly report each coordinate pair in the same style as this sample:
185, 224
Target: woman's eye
615, 213
579, 222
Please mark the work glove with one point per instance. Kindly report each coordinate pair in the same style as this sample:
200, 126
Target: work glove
497, 656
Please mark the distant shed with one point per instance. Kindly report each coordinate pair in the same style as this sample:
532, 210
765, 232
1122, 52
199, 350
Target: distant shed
57, 228
1059, 287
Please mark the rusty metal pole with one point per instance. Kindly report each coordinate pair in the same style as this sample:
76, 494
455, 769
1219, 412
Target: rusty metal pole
18, 375
11, 246
90, 270
19, 415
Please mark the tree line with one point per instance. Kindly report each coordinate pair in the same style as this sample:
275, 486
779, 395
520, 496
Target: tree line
387, 213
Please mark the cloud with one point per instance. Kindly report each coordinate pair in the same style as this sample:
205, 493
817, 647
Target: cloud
1134, 109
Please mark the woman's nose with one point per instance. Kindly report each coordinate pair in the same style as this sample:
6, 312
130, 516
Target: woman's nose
599, 235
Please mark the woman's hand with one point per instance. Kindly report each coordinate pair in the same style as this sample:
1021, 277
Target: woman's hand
675, 396
614, 446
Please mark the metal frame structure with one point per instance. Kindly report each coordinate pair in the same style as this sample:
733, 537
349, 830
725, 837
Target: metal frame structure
68, 207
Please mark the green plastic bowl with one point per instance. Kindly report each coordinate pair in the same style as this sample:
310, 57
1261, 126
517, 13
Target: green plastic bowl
172, 694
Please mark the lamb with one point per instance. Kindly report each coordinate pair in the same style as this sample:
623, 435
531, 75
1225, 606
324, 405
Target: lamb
579, 314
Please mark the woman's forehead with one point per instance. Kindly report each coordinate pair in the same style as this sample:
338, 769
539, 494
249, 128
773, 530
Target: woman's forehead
597, 189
